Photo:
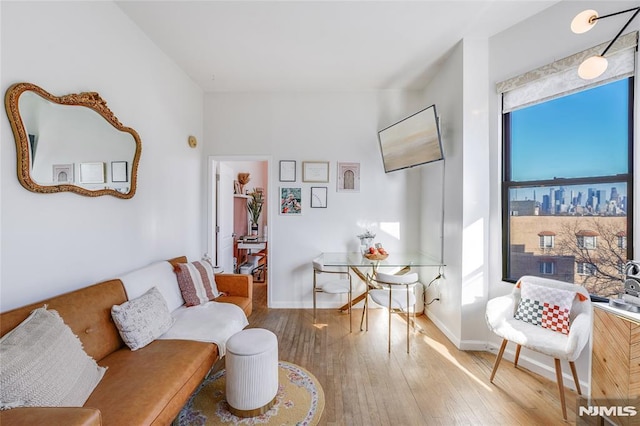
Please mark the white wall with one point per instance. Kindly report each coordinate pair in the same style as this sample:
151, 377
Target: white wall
52, 243
540, 40
338, 126
446, 91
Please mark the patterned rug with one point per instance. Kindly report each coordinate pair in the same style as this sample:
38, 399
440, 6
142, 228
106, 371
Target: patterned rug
299, 401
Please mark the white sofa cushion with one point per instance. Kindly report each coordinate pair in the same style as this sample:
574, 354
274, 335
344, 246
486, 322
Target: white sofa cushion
158, 274
42, 363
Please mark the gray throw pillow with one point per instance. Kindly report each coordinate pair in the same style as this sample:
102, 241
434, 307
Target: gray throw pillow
143, 319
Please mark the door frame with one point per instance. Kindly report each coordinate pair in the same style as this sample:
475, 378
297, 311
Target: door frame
211, 212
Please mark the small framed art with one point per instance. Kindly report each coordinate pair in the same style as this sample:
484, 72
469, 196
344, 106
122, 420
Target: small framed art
319, 197
63, 173
91, 172
290, 201
348, 177
287, 171
119, 171
315, 171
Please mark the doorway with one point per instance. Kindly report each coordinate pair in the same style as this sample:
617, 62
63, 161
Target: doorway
231, 243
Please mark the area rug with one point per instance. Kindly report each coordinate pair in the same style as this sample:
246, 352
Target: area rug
299, 401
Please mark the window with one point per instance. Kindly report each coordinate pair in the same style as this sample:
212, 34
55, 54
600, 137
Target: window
622, 241
584, 268
546, 241
547, 268
588, 242
567, 169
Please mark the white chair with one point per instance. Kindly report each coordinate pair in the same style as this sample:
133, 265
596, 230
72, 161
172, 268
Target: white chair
500, 316
340, 285
398, 301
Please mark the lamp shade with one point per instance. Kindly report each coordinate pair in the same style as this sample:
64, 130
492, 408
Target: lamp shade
584, 21
593, 67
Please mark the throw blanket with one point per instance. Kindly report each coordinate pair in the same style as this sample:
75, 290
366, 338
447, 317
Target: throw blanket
212, 322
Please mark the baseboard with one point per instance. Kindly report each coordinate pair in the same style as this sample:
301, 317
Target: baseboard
452, 337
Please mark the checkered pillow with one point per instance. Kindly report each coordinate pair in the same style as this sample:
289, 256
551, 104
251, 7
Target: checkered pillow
546, 307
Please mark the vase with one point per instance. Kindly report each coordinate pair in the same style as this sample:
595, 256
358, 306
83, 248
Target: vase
254, 229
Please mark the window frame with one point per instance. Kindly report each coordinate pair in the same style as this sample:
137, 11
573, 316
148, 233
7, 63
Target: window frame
587, 244
542, 267
590, 269
507, 184
544, 239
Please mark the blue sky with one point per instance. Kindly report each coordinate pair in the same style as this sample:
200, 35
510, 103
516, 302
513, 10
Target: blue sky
583, 134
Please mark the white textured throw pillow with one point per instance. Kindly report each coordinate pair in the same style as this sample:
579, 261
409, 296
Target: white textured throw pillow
141, 320
43, 364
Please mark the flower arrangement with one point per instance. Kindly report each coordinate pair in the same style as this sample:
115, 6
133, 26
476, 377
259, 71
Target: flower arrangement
254, 205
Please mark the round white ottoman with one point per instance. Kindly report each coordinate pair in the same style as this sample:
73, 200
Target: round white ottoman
252, 372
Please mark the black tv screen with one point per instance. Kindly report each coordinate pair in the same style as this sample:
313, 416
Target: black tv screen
411, 141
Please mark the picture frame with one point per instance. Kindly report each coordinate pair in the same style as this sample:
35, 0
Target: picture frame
318, 197
348, 177
315, 171
91, 172
62, 173
119, 171
287, 170
290, 201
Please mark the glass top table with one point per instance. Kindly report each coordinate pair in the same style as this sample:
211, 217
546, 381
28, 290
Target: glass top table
356, 259
357, 263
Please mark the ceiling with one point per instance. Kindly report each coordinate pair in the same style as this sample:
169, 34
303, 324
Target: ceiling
318, 45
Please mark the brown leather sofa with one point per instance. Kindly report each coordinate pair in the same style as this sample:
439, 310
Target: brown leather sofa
148, 386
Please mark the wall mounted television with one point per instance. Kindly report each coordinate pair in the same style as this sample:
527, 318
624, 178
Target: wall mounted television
411, 141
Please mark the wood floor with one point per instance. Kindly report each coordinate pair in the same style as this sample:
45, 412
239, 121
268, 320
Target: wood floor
435, 384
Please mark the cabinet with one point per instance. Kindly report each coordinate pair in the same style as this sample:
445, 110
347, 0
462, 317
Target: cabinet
615, 366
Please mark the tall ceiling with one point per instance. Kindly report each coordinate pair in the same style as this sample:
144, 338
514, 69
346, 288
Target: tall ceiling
318, 45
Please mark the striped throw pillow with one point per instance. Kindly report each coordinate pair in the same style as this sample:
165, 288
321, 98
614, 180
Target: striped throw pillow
197, 283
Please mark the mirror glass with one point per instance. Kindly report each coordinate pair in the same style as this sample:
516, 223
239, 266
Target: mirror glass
71, 143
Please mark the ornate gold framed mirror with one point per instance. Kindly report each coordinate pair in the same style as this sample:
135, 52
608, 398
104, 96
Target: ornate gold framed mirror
71, 143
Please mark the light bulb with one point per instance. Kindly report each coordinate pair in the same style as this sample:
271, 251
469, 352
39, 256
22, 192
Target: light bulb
593, 67
584, 21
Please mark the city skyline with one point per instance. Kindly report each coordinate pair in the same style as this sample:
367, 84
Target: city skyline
575, 196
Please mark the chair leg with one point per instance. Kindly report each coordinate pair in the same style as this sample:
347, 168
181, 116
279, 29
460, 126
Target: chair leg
314, 296
365, 311
389, 333
498, 359
515, 360
561, 388
575, 376
314, 305
408, 317
350, 310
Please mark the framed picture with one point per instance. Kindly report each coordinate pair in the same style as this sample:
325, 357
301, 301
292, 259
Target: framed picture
91, 172
348, 177
119, 171
287, 171
290, 201
315, 171
63, 173
319, 197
